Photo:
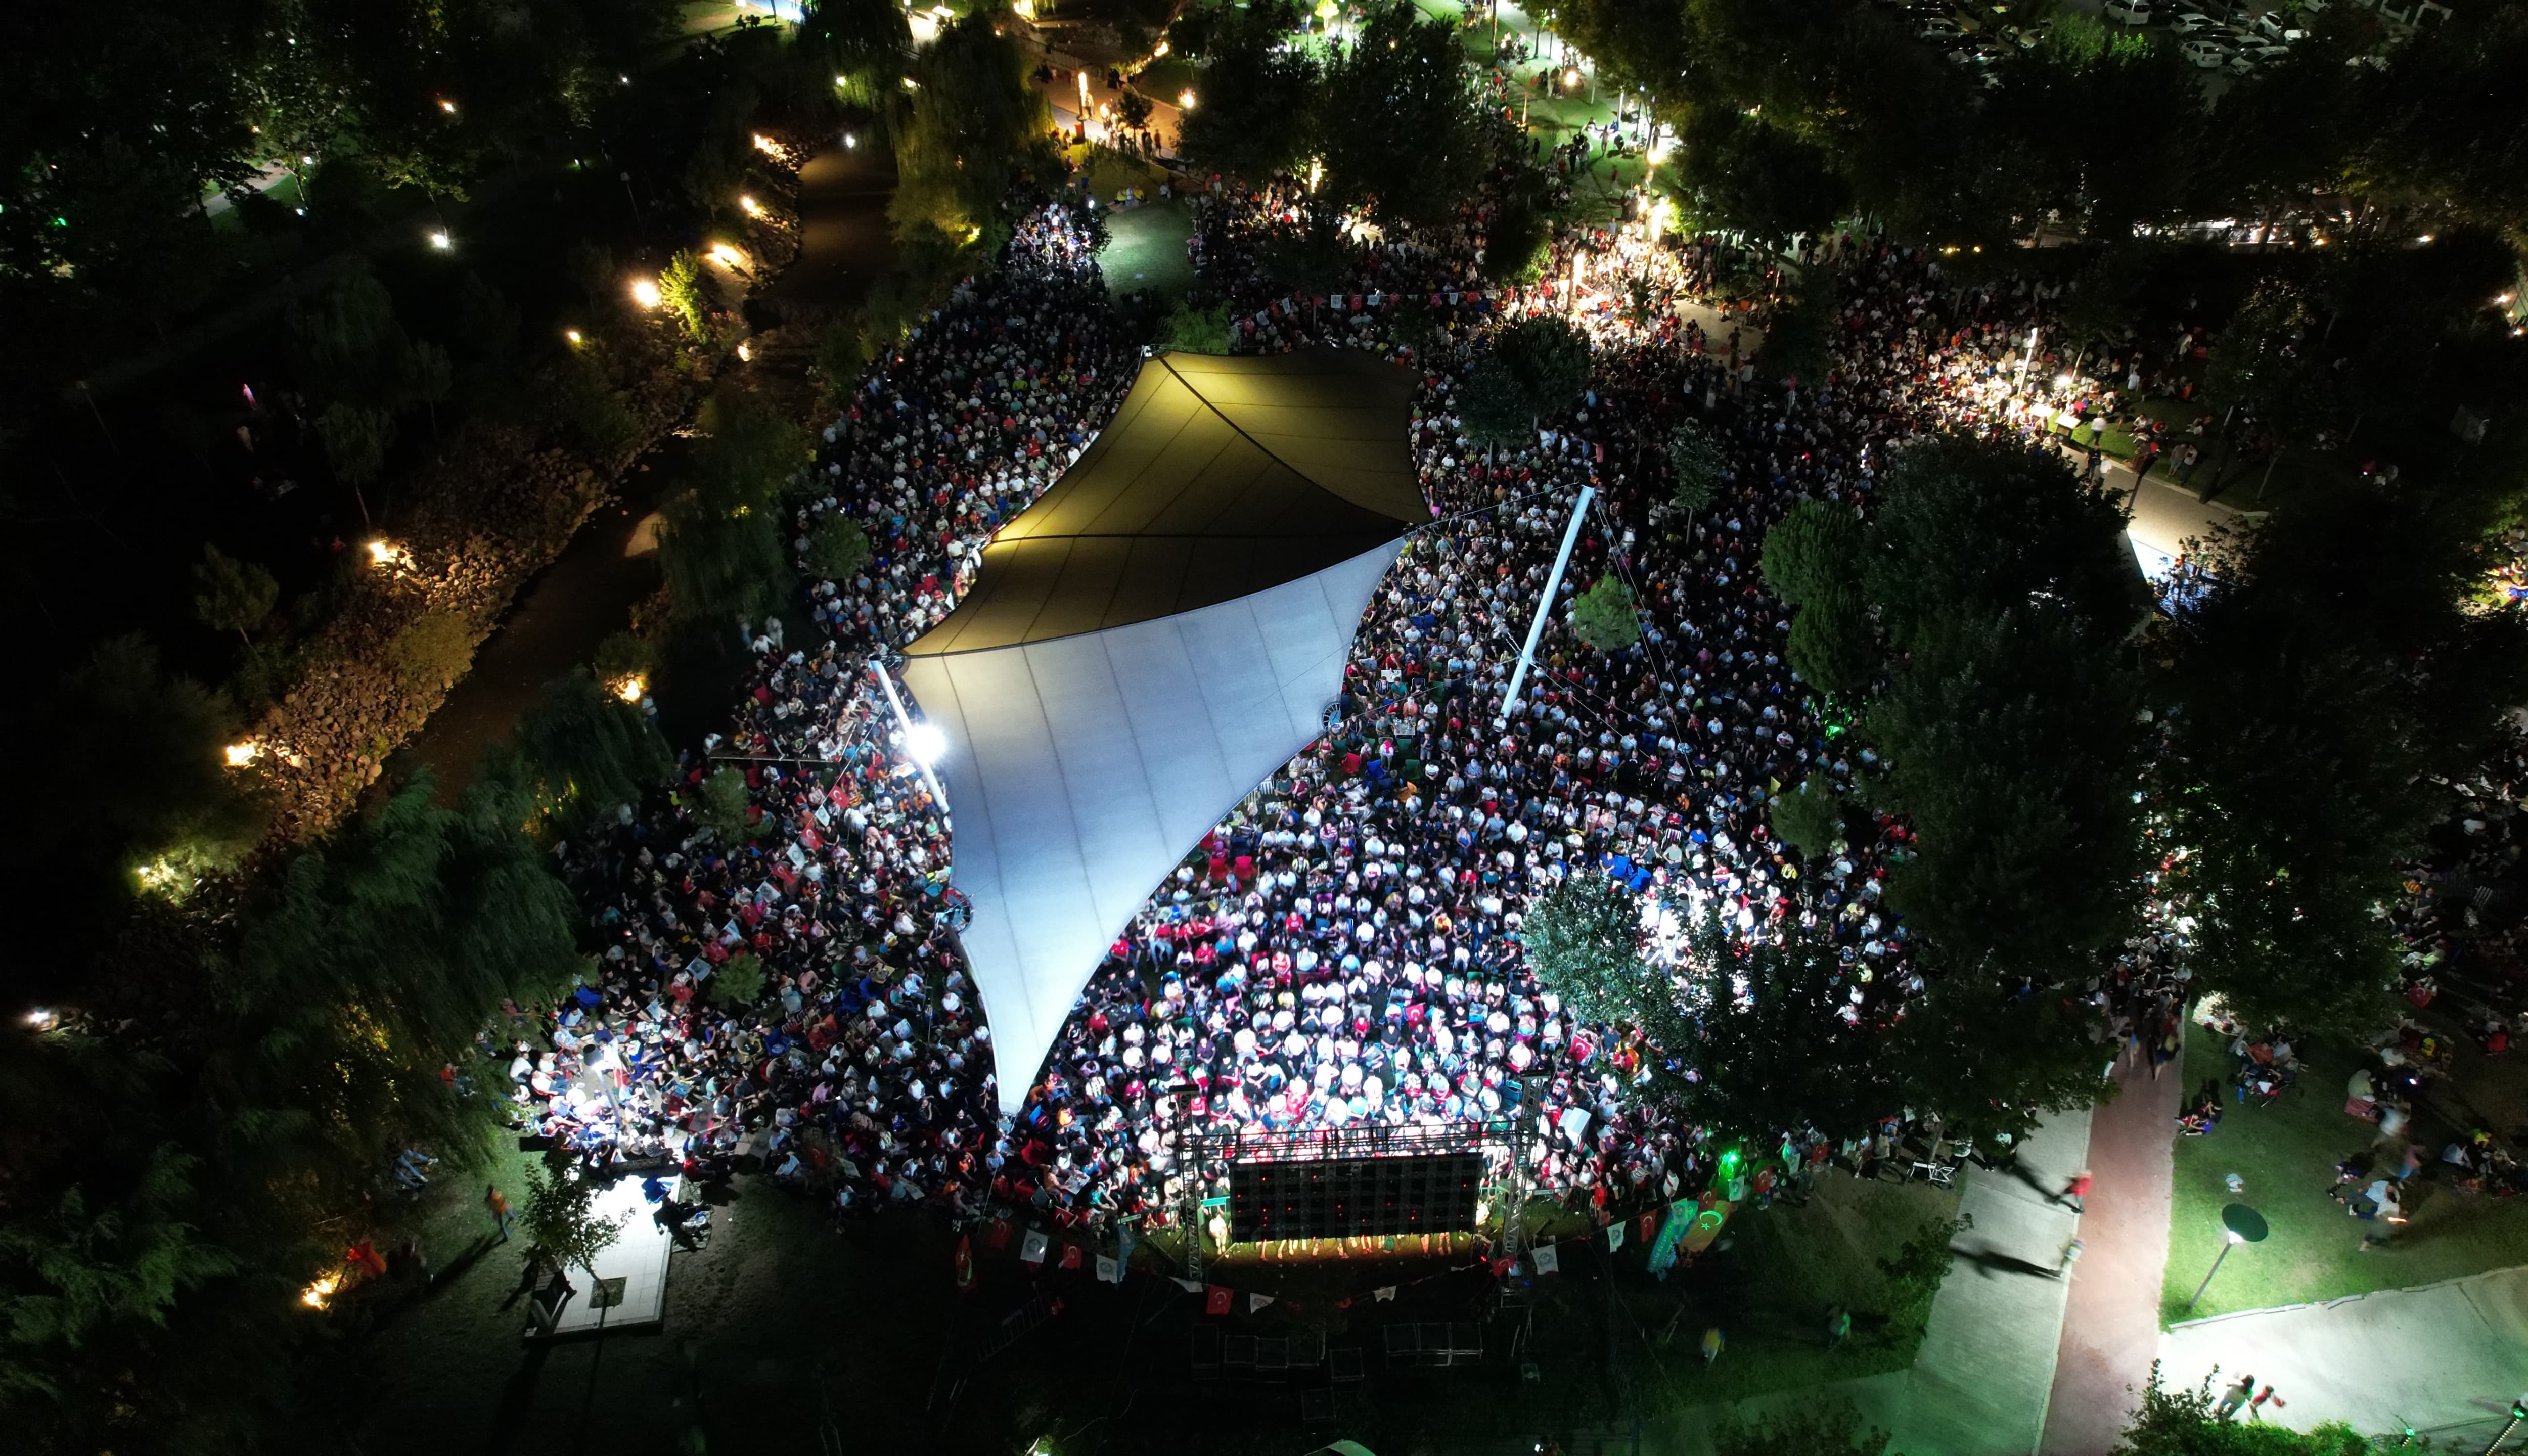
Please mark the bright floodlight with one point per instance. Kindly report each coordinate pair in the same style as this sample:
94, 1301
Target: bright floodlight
645, 292
926, 742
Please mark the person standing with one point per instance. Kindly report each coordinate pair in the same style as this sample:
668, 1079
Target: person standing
2076, 1192
2070, 1256
498, 1202
1838, 1327
1713, 1342
2234, 1397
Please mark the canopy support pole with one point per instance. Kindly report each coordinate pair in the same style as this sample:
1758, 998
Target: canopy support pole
904, 720
1544, 605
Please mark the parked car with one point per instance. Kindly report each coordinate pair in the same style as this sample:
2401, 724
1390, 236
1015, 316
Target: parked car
1936, 29
2128, 12
2239, 64
2193, 25
2209, 54
2266, 55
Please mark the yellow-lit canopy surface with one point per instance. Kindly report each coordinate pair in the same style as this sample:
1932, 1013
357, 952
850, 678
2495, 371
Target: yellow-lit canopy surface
1162, 629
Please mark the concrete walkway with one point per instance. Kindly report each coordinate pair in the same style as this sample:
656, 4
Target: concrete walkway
2111, 1325
2446, 1358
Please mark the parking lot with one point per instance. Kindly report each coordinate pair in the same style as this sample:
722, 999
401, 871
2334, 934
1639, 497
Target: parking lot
2221, 38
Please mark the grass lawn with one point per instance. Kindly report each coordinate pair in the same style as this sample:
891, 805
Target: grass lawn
1768, 1283
1145, 248
2287, 1153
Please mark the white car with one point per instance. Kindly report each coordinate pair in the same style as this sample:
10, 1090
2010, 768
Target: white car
1938, 29
2239, 63
2193, 25
2266, 55
2128, 12
2204, 53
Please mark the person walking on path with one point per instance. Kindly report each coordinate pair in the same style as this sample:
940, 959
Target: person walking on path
499, 1203
2076, 1192
2256, 1407
1712, 1341
2234, 1397
1838, 1327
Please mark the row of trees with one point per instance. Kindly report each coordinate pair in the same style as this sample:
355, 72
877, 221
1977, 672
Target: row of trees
182, 1164
1391, 121
1794, 116
2266, 757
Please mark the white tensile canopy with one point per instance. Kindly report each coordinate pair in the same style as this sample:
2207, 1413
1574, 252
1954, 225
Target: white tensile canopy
1144, 644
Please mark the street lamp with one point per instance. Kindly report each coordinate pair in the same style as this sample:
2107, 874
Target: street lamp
2518, 1412
2244, 1226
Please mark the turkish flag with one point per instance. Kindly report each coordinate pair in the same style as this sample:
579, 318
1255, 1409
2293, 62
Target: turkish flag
1216, 1300
1071, 1256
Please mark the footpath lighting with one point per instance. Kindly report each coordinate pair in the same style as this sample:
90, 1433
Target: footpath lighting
726, 256
745, 353
1571, 77
43, 1019
387, 554
750, 207
242, 753
766, 145
447, 106
644, 291
573, 335
1184, 100
321, 1293
441, 241
2242, 1225
631, 689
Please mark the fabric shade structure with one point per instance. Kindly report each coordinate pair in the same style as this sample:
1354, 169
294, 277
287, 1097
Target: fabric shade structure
1162, 628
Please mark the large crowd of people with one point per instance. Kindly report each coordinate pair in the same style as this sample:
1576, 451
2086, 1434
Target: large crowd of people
1343, 949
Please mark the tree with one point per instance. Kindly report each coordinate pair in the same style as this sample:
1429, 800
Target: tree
864, 44
837, 548
1604, 617
1743, 173
593, 749
592, 409
975, 131
725, 808
355, 438
1814, 549
1492, 406
1759, 1041
2338, 646
1808, 818
1253, 120
427, 378
738, 984
231, 596
680, 293
723, 552
1831, 647
1405, 76
171, 801
1798, 349
345, 345
1549, 359
432, 652
1696, 465
561, 1221
1132, 109
1584, 942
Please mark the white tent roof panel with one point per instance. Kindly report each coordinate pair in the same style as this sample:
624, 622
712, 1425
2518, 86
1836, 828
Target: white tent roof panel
1081, 769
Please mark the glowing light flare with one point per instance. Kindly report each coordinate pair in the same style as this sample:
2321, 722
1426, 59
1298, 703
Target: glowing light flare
1571, 78
924, 743
1184, 100
387, 554
447, 106
726, 256
573, 335
745, 353
242, 753
319, 1294
441, 241
766, 145
631, 689
644, 291
750, 207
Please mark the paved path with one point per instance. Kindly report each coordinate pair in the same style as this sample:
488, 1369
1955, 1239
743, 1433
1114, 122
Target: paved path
2446, 1358
2111, 1325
